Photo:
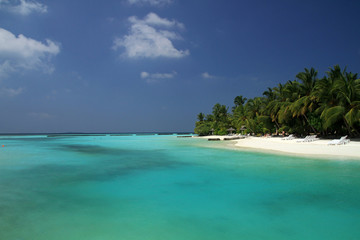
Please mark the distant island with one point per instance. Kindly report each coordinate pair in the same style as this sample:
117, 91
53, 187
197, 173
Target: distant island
324, 106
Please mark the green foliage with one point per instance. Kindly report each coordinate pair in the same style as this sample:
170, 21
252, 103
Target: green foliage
329, 105
332, 115
221, 131
201, 117
202, 128
209, 118
220, 113
315, 121
239, 100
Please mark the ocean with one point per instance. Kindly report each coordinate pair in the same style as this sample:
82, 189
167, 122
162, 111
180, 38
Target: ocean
144, 187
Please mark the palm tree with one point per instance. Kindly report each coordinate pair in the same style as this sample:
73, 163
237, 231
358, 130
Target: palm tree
308, 80
220, 112
305, 101
201, 117
289, 93
254, 107
330, 105
238, 116
273, 103
349, 99
340, 100
325, 95
353, 114
269, 94
238, 101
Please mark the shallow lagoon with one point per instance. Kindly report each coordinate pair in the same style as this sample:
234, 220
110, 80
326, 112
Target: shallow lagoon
163, 187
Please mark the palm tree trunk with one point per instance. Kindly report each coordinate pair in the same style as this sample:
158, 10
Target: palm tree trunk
310, 124
348, 127
277, 127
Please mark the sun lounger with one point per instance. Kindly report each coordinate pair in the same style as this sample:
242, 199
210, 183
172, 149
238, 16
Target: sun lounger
309, 138
312, 138
304, 139
342, 141
290, 137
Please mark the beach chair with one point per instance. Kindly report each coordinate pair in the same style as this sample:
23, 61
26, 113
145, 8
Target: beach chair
306, 139
312, 138
342, 141
290, 137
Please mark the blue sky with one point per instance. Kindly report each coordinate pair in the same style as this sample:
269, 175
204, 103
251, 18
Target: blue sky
153, 65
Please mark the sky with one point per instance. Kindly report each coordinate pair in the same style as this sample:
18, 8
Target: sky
153, 65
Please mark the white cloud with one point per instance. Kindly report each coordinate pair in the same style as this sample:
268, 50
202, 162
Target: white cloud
11, 92
206, 75
144, 74
150, 2
156, 77
155, 20
20, 52
23, 7
151, 38
5, 69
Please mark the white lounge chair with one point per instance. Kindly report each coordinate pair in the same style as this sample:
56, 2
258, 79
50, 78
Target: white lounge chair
290, 137
312, 138
304, 139
309, 138
342, 141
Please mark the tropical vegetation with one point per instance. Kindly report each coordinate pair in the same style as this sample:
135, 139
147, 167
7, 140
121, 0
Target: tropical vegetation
324, 106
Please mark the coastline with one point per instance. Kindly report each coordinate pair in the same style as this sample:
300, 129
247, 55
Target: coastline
275, 145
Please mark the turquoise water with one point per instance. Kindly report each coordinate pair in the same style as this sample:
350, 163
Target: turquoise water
163, 187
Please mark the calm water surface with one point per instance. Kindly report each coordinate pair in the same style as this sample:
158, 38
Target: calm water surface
163, 187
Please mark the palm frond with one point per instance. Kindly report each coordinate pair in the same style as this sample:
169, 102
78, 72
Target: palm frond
332, 115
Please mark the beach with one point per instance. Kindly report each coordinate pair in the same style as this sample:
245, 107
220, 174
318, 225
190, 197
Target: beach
318, 148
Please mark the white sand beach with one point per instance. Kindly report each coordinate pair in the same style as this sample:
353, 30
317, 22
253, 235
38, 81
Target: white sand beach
319, 148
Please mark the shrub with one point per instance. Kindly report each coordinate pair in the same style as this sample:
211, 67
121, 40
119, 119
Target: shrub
203, 128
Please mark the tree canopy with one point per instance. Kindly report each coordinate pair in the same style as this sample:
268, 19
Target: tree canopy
325, 106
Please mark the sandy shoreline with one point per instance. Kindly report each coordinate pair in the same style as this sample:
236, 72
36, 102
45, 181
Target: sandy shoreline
319, 148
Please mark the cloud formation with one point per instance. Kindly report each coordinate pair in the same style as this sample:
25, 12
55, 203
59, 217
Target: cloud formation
20, 52
151, 37
23, 7
206, 75
156, 77
150, 2
5, 69
11, 92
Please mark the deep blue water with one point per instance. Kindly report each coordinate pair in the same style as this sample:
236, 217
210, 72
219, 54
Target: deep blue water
163, 187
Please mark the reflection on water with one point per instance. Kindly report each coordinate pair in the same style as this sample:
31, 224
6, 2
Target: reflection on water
161, 187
